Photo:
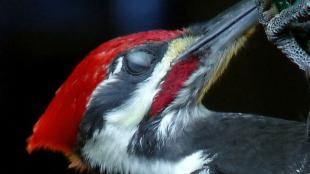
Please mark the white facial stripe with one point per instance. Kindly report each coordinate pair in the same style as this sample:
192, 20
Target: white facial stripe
119, 64
134, 109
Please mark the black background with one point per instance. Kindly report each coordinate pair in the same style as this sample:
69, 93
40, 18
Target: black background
41, 41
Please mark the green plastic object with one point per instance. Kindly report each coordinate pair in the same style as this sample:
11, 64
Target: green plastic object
282, 4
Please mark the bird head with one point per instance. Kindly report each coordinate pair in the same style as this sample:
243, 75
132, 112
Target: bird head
131, 93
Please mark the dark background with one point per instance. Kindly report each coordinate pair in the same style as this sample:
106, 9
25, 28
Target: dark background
41, 41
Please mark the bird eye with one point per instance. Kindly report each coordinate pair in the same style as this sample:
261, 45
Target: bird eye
139, 61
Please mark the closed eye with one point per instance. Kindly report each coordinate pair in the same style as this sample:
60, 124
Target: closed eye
138, 62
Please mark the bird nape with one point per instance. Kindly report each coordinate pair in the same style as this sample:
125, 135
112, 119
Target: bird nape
133, 105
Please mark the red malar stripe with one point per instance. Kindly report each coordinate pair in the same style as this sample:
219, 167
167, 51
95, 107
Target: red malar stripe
173, 84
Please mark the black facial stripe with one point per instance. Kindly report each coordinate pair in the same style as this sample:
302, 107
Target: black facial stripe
116, 93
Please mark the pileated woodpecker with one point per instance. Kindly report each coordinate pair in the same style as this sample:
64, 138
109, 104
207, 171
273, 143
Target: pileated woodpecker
134, 106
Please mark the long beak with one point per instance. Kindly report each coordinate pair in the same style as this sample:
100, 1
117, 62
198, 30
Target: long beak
225, 28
